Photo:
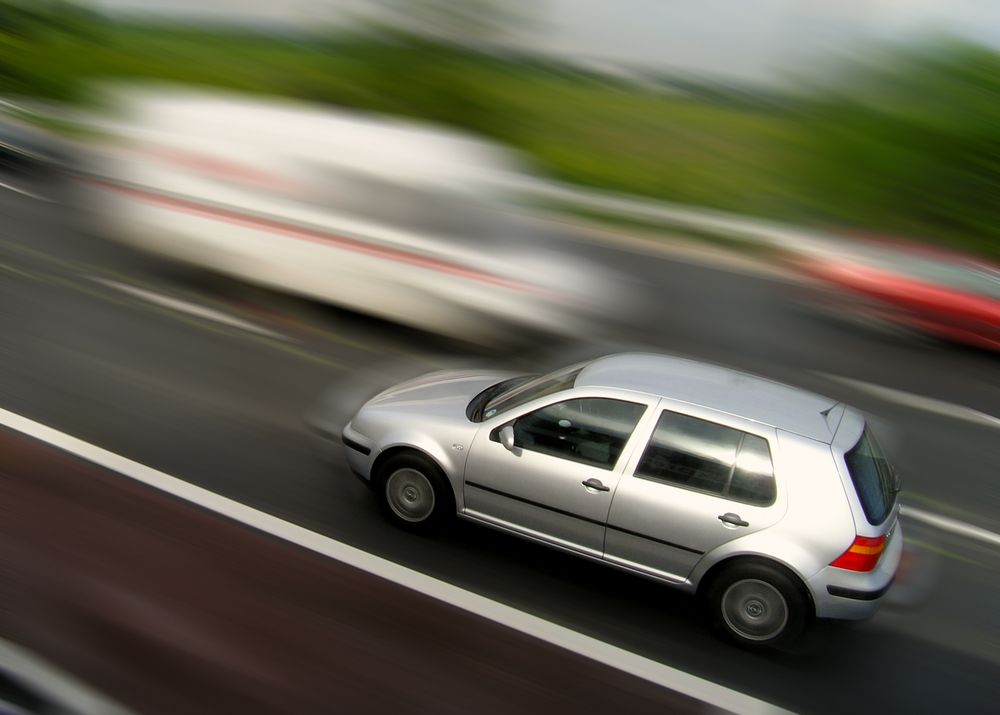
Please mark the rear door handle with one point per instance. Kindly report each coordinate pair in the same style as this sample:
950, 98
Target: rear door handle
733, 519
596, 484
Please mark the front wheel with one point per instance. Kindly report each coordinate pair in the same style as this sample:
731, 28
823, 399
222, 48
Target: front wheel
757, 605
414, 494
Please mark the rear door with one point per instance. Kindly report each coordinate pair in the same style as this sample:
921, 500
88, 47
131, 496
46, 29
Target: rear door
700, 479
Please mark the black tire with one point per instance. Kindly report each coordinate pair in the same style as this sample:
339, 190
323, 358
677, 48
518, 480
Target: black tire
757, 605
414, 494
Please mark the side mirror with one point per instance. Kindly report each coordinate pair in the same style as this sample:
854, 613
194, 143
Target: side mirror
507, 438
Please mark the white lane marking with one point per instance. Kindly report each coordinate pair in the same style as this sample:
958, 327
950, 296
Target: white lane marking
928, 404
953, 525
24, 192
605, 653
183, 306
48, 680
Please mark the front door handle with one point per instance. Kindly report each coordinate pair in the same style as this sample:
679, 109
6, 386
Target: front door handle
732, 519
596, 484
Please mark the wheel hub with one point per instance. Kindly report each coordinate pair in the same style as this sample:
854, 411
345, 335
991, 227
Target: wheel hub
410, 495
755, 609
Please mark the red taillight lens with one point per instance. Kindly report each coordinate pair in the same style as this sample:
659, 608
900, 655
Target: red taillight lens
862, 555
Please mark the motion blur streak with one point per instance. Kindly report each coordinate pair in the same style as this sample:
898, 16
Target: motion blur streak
189, 308
225, 225
301, 232
942, 522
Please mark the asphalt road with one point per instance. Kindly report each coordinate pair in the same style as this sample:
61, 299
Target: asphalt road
194, 613
223, 406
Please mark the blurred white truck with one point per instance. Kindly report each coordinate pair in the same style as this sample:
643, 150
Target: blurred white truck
390, 218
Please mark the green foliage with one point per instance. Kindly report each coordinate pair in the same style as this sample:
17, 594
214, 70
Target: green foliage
906, 143
910, 144
408, 75
466, 22
33, 35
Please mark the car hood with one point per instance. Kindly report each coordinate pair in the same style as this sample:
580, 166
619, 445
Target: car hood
443, 390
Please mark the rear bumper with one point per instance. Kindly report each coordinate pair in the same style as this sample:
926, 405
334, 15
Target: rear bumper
850, 595
842, 592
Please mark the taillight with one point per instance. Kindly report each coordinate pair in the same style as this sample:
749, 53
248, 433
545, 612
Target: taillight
862, 555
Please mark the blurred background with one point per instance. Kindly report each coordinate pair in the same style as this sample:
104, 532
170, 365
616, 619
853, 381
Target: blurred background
225, 224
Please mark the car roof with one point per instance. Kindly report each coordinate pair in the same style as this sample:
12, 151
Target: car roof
715, 387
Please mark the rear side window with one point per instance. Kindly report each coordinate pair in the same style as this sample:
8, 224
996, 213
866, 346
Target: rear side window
874, 480
753, 478
704, 456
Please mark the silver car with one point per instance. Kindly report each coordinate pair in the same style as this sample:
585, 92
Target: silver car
774, 504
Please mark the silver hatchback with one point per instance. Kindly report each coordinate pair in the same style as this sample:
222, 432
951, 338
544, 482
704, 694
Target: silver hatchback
774, 504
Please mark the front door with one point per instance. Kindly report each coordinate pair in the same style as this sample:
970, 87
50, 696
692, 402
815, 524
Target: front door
558, 481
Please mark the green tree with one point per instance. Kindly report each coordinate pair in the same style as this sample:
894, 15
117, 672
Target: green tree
472, 23
426, 59
910, 144
33, 34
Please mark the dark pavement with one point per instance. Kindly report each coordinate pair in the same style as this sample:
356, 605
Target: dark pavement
175, 610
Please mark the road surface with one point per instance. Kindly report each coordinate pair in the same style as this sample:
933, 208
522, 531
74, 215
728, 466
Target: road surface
131, 355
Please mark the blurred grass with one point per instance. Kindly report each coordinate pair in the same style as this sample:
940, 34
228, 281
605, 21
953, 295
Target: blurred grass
910, 145
583, 131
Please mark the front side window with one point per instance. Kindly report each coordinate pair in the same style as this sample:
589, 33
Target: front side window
707, 457
873, 478
591, 431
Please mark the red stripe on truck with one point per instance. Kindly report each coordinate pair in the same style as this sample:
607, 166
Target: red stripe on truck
317, 236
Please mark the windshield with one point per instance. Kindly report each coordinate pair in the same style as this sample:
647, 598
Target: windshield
524, 392
874, 478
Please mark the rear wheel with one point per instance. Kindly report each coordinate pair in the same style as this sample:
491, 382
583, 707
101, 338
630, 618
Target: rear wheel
757, 605
414, 494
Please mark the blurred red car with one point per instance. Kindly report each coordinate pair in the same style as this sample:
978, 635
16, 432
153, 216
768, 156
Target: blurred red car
947, 295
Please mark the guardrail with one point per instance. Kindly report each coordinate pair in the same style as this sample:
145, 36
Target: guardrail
677, 216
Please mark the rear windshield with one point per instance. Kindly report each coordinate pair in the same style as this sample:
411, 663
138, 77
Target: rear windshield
874, 479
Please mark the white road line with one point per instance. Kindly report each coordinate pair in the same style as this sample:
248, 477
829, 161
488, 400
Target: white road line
928, 404
953, 525
612, 656
183, 306
24, 192
46, 679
